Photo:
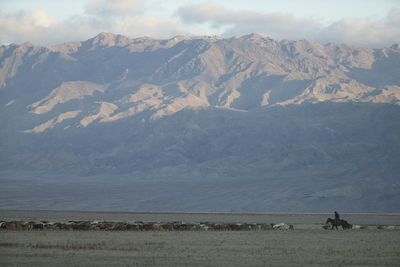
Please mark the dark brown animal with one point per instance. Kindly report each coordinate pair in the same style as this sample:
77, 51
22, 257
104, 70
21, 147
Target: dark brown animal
335, 223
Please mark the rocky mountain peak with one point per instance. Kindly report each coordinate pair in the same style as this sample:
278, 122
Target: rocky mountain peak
395, 46
252, 36
104, 39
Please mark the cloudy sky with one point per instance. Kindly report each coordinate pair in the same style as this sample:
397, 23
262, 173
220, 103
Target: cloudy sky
371, 23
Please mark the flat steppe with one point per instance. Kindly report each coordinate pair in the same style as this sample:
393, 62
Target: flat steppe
307, 245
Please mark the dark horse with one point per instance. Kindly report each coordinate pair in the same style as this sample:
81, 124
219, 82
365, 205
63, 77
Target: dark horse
336, 223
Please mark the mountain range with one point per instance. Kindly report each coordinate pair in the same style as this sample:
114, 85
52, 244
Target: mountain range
200, 124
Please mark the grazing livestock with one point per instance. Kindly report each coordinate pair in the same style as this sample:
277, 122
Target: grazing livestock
336, 223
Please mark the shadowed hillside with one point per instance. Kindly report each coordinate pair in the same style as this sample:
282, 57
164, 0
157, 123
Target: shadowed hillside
200, 124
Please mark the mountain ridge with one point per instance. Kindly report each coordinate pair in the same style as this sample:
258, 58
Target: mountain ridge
200, 124
189, 72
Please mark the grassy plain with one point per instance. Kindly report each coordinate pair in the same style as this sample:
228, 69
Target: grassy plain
200, 248
307, 245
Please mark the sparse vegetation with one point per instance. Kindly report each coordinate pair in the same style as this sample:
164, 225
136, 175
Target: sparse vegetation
300, 247
199, 248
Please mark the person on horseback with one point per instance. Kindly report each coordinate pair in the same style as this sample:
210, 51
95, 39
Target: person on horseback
337, 218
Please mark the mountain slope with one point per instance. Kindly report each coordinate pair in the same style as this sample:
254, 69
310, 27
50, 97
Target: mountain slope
165, 76
200, 123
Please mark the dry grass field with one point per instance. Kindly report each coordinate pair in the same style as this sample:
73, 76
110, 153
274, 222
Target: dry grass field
307, 245
200, 248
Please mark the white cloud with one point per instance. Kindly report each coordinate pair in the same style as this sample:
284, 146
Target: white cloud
40, 28
134, 18
16, 25
107, 8
359, 31
276, 25
363, 31
120, 17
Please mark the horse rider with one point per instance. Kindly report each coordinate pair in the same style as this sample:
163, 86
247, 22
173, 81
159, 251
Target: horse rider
337, 218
